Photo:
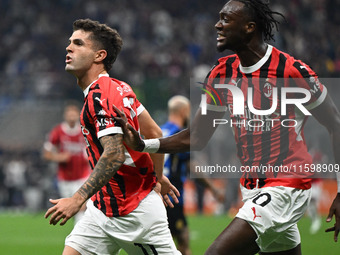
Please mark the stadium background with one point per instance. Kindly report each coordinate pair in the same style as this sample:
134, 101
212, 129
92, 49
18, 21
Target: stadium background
165, 43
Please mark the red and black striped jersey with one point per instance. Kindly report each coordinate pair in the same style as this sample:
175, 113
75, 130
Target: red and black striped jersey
64, 138
275, 139
135, 178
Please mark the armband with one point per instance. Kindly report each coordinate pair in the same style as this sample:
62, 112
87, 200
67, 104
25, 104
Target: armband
151, 145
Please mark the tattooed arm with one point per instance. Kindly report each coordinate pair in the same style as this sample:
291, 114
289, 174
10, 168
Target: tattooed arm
108, 164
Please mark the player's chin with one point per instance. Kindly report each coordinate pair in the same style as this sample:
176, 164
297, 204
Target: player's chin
69, 68
221, 47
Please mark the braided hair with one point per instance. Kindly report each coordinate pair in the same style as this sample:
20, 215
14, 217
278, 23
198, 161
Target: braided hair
260, 12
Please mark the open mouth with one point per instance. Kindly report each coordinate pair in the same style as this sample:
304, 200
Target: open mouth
220, 37
68, 59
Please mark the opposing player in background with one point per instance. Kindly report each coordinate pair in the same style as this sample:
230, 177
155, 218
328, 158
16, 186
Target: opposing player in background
177, 167
267, 222
124, 210
66, 146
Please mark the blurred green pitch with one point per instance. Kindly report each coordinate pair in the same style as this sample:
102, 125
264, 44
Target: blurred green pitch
30, 234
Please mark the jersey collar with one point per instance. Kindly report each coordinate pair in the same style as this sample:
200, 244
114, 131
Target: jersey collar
86, 91
259, 64
72, 131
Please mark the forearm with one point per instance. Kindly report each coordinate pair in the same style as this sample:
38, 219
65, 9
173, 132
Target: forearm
107, 166
328, 115
194, 138
54, 156
158, 162
105, 169
150, 130
179, 142
336, 149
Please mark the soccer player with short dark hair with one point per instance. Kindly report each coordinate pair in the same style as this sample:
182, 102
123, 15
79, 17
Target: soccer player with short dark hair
273, 203
123, 209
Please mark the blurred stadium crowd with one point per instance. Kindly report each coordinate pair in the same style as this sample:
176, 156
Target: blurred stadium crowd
165, 43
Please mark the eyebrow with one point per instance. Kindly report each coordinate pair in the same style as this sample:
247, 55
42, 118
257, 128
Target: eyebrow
228, 14
76, 40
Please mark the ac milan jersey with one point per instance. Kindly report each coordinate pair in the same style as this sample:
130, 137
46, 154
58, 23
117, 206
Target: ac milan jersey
135, 178
66, 139
276, 139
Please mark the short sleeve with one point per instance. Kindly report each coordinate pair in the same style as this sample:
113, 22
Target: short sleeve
305, 77
140, 107
52, 140
108, 92
100, 104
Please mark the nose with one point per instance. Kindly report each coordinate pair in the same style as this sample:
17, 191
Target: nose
218, 25
68, 48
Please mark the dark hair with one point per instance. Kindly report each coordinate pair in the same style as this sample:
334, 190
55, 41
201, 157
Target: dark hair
261, 13
72, 103
106, 38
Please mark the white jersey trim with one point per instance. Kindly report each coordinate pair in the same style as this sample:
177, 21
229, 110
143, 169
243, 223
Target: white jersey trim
140, 109
109, 131
86, 91
259, 64
319, 100
128, 159
71, 131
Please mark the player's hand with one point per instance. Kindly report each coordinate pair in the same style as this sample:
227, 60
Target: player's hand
335, 210
167, 189
131, 136
63, 209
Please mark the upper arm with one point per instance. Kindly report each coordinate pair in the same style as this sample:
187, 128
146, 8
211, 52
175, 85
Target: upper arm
113, 146
327, 114
203, 128
148, 127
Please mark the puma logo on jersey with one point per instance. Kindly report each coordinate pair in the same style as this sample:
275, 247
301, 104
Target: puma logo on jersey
254, 211
100, 101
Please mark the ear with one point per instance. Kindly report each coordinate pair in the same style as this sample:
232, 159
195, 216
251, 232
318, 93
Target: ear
100, 56
250, 28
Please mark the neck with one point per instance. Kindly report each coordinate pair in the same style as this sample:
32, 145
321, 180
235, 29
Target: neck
70, 124
176, 120
252, 53
91, 75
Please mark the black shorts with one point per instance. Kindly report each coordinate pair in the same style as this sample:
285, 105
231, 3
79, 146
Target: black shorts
176, 218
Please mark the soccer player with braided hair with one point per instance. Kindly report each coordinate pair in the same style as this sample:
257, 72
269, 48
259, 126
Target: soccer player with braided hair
273, 202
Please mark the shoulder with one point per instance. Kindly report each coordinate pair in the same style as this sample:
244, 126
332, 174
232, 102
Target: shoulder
57, 128
226, 59
102, 84
122, 87
111, 87
222, 64
55, 133
169, 128
294, 67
